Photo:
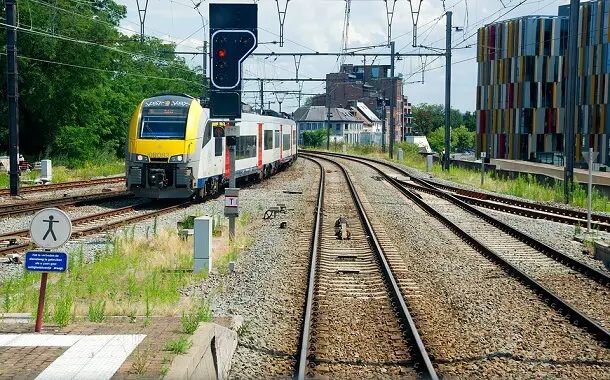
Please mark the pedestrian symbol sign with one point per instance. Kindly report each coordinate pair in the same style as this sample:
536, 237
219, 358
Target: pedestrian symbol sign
50, 228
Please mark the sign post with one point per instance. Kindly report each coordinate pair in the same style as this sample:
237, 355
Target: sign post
590, 156
231, 208
483, 156
50, 229
233, 37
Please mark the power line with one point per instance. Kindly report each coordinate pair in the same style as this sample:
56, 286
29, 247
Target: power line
103, 70
83, 42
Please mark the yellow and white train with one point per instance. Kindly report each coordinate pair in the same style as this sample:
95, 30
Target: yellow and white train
171, 151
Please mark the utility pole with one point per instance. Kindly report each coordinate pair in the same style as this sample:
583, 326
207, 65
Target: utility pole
448, 94
13, 95
204, 93
392, 100
572, 53
262, 98
327, 121
383, 117
280, 103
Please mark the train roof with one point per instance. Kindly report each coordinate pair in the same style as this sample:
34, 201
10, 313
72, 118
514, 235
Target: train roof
254, 117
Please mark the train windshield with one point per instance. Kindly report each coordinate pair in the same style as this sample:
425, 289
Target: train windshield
163, 122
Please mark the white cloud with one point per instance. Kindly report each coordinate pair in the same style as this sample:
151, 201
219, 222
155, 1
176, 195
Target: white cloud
317, 25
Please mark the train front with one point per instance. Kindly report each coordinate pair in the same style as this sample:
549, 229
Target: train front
162, 155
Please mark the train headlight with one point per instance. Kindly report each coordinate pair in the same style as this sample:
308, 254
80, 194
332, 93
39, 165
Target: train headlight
178, 158
139, 158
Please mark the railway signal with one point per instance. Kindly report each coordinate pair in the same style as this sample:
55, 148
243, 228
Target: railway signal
233, 37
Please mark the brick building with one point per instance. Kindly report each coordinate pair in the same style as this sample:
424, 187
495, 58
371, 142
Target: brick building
370, 85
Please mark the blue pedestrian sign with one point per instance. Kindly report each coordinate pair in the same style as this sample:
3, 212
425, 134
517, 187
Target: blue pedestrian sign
45, 261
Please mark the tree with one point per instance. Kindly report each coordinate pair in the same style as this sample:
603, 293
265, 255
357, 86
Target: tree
428, 117
76, 98
470, 121
436, 139
309, 101
462, 139
314, 139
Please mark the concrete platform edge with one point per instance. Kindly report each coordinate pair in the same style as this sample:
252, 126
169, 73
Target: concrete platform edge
209, 357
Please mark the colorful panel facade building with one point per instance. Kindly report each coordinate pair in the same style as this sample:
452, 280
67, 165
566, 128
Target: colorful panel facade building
521, 85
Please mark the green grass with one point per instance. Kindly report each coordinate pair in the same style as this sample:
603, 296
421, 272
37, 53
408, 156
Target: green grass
136, 277
200, 312
63, 173
179, 346
524, 186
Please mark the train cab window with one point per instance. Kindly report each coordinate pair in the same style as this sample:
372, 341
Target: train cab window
218, 146
163, 122
268, 140
276, 138
207, 133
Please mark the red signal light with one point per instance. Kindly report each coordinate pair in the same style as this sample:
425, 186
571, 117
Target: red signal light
222, 53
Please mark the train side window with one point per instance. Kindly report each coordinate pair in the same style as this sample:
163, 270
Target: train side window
218, 146
207, 133
268, 140
277, 139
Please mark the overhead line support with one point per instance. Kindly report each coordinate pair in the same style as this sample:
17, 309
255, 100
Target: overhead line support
142, 16
447, 155
13, 95
568, 174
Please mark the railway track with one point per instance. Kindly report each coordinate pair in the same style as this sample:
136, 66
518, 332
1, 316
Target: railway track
500, 203
569, 286
356, 319
96, 223
20, 208
66, 185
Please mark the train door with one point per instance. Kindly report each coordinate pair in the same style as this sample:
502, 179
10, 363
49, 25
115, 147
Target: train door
281, 142
260, 146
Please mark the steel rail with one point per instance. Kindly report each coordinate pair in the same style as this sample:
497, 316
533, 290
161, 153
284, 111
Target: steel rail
425, 366
563, 215
304, 342
595, 274
16, 248
29, 207
557, 214
65, 185
548, 297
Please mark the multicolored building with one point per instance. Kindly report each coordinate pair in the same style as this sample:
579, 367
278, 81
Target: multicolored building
521, 86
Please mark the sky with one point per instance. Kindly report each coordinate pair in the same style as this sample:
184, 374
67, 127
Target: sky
317, 25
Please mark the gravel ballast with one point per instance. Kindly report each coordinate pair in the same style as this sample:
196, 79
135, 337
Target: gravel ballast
476, 320
269, 284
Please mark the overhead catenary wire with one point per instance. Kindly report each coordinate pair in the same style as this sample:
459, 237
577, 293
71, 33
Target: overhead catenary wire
94, 44
118, 72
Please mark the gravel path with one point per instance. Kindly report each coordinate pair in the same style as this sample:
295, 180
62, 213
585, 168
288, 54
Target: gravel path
477, 321
268, 287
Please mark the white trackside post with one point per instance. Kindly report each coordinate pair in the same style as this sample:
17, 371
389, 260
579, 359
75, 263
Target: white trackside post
483, 155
